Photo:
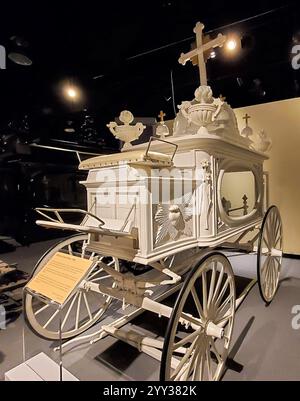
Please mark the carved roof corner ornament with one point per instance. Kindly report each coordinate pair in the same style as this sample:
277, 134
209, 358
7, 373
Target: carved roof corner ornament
264, 143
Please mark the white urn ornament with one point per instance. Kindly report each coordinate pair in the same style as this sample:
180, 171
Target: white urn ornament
204, 111
126, 132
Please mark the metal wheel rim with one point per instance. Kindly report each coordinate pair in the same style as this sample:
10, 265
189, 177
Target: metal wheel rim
268, 269
78, 301
204, 347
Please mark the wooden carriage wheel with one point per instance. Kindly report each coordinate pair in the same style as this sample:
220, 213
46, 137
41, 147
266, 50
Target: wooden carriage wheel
84, 308
269, 254
200, 327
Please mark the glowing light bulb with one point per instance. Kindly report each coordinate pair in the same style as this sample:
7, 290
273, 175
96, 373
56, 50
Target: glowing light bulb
231, 44
212, 54
71, 93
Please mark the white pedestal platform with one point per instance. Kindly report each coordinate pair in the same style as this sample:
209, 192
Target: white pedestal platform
38, 368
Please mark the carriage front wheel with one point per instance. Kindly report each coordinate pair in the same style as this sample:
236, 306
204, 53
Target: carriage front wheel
83, 309
269, 254
200, 327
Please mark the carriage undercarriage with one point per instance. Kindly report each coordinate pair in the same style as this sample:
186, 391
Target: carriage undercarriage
200, 323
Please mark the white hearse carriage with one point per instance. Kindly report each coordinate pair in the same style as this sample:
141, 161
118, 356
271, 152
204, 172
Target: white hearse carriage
159, 216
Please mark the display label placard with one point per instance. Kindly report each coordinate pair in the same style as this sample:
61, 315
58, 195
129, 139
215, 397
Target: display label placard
60, 275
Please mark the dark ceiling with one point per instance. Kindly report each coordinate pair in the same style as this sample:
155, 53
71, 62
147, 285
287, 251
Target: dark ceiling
105, 48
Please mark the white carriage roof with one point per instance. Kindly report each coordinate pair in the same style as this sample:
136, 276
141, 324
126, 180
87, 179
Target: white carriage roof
140, 156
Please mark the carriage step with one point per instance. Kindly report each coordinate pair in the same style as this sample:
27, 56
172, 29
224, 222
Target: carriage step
133, 338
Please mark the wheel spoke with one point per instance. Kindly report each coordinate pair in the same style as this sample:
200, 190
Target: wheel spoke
87, 306
95, 273
269, 234
51, 318
277, 231
277, 240
188, 339
41, 309
212, 283
219, 282
277, 259
184, 358
197, 302
185, 372
223, 305
69, 310
201, 372
204, 293
78, 310
267, 242
208, 362
222, 320
267, 273
193, 362
191, 319
265, 268
70, 249
214, 349
222, 292
194, 359
83, 248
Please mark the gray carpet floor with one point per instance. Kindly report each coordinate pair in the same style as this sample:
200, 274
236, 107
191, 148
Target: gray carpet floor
264, 346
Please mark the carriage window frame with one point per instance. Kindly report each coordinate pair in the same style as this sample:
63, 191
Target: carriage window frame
234, 221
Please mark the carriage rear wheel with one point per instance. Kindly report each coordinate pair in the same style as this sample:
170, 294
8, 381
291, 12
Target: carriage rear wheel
200, 327
269, 254
83, 309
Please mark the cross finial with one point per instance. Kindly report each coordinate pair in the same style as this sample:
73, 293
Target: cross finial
161, 116
222, 98
246, 118
200, 49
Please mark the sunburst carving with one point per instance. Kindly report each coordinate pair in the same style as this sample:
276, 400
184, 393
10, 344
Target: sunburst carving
171, 219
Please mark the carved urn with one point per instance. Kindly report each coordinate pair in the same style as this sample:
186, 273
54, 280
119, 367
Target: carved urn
204, 111
126, 132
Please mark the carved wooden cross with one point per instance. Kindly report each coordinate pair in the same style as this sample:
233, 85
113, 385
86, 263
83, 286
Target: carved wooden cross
161, 116
200, 49
246, 118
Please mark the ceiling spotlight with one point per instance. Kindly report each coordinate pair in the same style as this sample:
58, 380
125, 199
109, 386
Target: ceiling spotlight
212, 54
17, 52
231, 44
71, 92
19, 58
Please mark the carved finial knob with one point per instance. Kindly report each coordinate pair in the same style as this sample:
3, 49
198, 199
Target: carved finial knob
126, 117
198, 27
204, 94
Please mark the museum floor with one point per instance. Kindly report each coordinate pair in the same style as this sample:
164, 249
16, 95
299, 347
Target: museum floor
264, 341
